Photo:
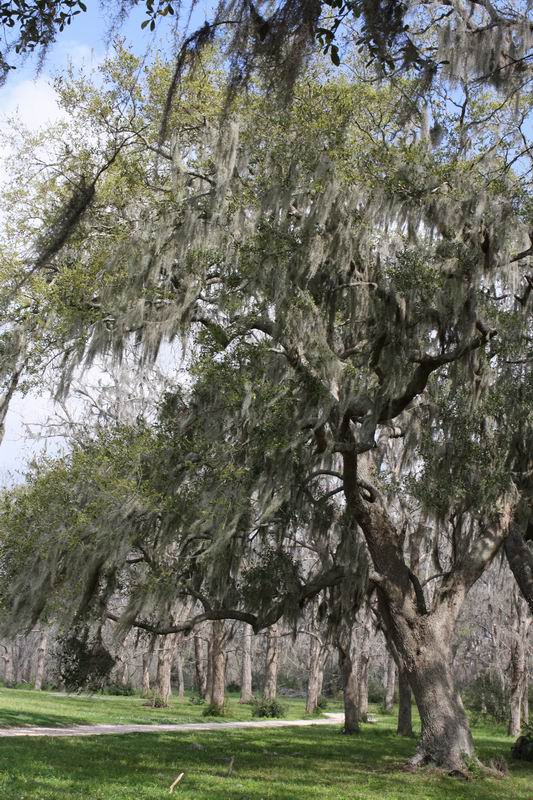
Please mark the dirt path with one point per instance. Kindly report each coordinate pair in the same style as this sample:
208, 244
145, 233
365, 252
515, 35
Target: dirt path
100, 730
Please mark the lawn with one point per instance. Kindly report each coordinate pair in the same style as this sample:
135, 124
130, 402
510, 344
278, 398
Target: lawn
291, 763
22, 707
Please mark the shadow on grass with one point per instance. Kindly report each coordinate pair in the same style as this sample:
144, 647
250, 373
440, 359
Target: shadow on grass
30, 719
284, 764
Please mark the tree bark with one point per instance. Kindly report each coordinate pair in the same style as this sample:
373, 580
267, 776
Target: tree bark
315, 670
199, 666
218, 665
164, 667
390, 684
41, 659
246, 666
9, 673
364, 660
347, 666
405, 721
518, 666
525, 699
520, 557
179, 672
271, 663
422, 637
147, 658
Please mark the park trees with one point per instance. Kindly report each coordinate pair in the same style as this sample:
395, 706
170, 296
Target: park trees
345, 274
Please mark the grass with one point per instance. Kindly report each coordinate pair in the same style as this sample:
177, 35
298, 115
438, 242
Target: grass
24, 707
286, 764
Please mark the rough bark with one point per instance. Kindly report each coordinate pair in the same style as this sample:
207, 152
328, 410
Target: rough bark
246, 665
405, 720
390, 685
218, 665
9, 673
271, 663
41, 660
179, 675
347, 666
209, 670
518, 665
422, 637
364, 661
520, 557
314, 673
525, 700
199, 666
164, 667
145, 683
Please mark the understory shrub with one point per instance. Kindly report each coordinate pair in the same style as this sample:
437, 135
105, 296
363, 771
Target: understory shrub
485, 697
267, 708
523, 747
196, 699
119, 689
213, 710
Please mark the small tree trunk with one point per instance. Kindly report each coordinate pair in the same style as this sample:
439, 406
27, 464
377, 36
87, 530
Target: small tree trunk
350, 693
209, 672
179, 671
525, 699
364, 660
164, 666
390, 684
9, 673
246, 666
313, 682
147, 658
218, 666
199, 666
271, 663
405, 720
518, 665
41, 658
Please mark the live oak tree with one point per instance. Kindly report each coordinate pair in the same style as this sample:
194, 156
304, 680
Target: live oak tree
340, 268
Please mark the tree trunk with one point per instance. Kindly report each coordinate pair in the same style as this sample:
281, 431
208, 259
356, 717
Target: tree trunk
525, 699
315, 669
518, 665
218, 666
164, 667
246, 667
390, 684
364, 660
179, 672
199, 666
520, 558
147, 658
271, 663
9, 673
41, 658
347, 666
405, 721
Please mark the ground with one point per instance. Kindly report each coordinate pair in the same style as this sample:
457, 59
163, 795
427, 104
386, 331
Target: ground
288, 764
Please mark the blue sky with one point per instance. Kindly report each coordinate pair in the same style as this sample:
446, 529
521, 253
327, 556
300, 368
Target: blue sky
30, 94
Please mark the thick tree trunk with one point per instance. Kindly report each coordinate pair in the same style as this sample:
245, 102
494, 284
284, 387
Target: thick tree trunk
405, 720
426, 652
520, 557
315, 670
246, 666
41, 659
347, 666
390, 684
199, 666
164, 667
145, 685
218, 665
271, 663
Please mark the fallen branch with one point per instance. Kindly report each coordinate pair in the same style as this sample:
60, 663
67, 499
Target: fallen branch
178, 779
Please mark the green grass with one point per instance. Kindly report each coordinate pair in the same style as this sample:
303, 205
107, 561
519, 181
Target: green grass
286, 764
24, 707
292, 763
